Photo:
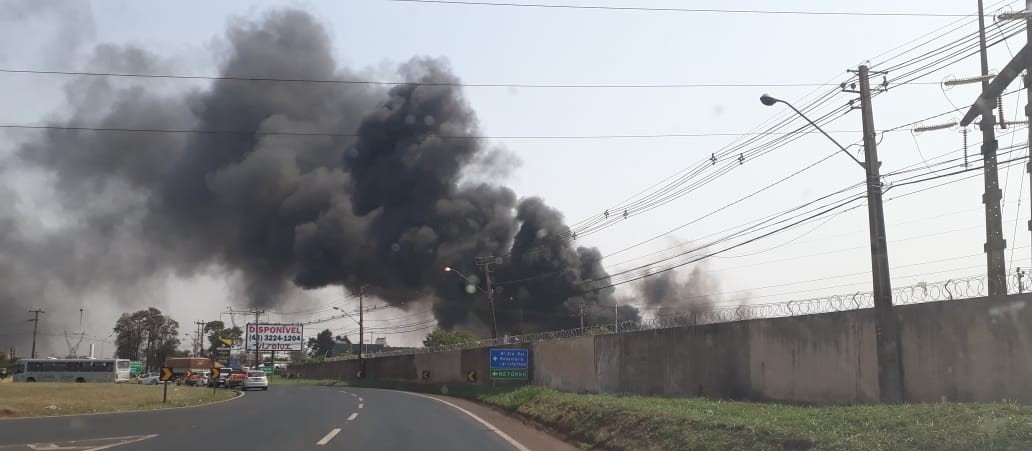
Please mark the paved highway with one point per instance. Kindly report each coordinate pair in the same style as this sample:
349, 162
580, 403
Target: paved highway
286, 418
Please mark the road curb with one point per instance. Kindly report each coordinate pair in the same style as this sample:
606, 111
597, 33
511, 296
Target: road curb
239, 395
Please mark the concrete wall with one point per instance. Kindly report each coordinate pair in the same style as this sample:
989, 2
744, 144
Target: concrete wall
977, 350
968, 350
567, 365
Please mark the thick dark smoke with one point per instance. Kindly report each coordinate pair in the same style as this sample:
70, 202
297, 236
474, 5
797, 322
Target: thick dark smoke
386, 202
669, 293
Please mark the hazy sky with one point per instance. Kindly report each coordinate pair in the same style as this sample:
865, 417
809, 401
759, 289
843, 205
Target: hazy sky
582, 176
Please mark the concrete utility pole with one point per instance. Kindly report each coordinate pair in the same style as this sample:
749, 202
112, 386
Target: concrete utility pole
257, 336
890, 353
35, 328
361, 321
616, 315
890, 368
485, 263
994, 242
582, 315
1028, 105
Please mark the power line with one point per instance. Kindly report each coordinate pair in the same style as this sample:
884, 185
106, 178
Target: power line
456, 84
356, 135
685, 10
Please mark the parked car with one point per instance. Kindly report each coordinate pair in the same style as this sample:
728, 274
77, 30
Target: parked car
256, 379
151, 379
236, 378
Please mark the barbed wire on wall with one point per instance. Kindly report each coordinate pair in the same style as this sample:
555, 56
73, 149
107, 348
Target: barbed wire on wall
948, 290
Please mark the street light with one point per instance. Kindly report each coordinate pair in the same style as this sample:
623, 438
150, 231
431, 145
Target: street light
467, 279
768, 100
890, 372
489, 293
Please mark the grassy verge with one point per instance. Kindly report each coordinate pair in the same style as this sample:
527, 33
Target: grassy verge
654, 423
46, 399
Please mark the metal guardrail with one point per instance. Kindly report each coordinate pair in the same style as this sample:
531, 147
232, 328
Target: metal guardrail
960, 288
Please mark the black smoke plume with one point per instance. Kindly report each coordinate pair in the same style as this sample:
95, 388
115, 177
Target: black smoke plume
370, 186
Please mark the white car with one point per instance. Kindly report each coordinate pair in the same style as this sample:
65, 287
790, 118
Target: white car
151, 379
256, 379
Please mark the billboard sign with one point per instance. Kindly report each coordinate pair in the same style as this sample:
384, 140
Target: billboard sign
275, 337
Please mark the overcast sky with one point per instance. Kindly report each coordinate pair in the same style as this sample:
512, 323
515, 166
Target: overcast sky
933, 236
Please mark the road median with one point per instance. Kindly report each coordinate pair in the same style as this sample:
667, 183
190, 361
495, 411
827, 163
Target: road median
24, 400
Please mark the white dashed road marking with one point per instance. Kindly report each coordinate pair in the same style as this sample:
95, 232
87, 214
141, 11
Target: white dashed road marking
353, 416
361, 405
326, 439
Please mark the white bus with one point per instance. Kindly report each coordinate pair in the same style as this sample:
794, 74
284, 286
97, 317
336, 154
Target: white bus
71, 370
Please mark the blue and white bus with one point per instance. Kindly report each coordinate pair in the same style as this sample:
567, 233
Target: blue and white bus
71, 370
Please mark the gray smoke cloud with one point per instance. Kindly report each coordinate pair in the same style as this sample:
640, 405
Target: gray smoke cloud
671, 293
394, 195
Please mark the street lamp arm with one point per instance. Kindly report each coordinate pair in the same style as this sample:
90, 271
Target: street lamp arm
768, 100
463, 276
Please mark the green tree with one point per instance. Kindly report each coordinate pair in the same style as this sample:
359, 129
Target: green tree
441, 337
215, 330
321, 344
146, 335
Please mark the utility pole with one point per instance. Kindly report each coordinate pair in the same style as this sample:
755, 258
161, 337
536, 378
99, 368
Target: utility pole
485, 263
582, 309
198, 338
361, 321
257, 336
1028, 106
35, 328
361, 329
890, 368
616, 315
995, 244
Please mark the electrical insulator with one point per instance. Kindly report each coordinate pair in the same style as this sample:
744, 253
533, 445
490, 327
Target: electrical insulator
965, 132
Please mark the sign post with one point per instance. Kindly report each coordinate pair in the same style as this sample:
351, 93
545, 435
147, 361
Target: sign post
510, 364
215, 373
166, 375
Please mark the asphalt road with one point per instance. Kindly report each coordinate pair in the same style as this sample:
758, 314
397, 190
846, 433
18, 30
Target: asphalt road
285, 418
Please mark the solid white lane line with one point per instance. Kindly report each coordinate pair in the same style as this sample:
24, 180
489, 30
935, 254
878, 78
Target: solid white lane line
326, 439
361, 405
352, 417
489, 426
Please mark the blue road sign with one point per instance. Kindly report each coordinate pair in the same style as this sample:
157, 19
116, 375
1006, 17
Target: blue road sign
510, 358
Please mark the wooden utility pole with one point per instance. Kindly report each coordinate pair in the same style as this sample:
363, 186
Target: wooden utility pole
35, 328
485, 263
890, 367
994, 242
